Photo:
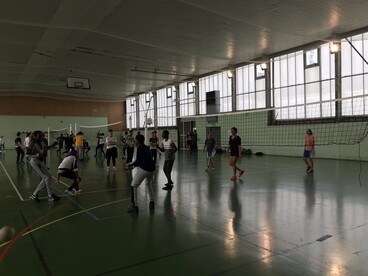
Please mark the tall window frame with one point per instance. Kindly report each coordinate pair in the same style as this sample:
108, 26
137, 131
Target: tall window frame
250, 87
304, 92
131, 113
220, 82
166, 107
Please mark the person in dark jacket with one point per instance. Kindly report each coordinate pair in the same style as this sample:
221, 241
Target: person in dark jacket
144, 168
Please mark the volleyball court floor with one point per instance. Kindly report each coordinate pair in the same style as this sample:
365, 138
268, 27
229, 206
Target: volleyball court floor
275, 220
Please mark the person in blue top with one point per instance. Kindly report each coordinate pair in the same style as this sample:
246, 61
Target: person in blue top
144, 167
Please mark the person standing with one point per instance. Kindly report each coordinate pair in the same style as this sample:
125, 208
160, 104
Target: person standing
68, 168
129, 140
235, 152
144, 168
210, 148
309, 150
169, 148
27, 140
37, 156
153, 145
78, 141
123, 140
60, 141
19, 149
111, 150
100, 143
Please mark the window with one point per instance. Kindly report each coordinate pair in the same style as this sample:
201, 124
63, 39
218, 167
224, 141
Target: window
214, 82
190, 87
250, 87
311, 58
131, 113
354, 76
169, 92
186, 100
146, 108
166, 108
304, 92
260, 73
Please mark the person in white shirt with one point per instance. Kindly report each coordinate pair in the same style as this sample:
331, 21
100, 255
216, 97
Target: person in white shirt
111, 150
169, 148
68, 168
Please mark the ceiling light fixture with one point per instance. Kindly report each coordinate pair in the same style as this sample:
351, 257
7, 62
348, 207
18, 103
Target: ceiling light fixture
334, 47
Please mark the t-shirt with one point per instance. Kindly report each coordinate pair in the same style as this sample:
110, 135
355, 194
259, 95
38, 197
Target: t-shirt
79, 140
153, 142
309, 142
144, 159
210, 144
18, 142
234, 143
112, 141
169, 149
69, 162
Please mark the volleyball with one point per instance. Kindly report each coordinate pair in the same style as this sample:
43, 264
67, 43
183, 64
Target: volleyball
6, 233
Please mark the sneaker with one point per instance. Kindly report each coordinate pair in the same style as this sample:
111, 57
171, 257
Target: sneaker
114, 168
233, 178
212, 169
207, 169
69, 192
34, 197
152, 205
308, 168
77, 191
133, 209
108, 169
241, 173
168, 187
54, 197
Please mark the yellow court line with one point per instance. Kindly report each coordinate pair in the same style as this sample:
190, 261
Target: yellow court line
68, 216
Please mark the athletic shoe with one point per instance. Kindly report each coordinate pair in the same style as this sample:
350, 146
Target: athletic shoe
308, 168
108, 169
207, 169
241, 173
212, 169
69, 192
233, 178
114, 168
168, 187
77, 191
152, 205
54, 198
34, 197
133, 209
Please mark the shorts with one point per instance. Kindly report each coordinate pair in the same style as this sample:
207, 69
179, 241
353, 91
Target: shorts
307, 154
211, 153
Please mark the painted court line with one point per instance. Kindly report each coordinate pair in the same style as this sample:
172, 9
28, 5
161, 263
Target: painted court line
22, 234
11, 181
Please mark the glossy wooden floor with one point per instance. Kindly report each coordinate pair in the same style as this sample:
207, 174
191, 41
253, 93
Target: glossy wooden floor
267, 223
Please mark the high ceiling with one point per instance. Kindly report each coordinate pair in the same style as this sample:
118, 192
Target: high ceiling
129, 47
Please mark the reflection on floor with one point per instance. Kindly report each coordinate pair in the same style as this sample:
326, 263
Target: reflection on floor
274, 220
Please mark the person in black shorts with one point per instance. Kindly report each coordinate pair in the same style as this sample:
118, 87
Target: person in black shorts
235, 152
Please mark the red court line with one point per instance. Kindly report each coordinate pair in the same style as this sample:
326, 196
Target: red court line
2, 256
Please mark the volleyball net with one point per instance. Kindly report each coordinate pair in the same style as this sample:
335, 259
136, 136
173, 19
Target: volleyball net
90, 131
333, 122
